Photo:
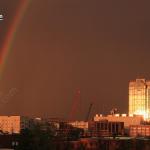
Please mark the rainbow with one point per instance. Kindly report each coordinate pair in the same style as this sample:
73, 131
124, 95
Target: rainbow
10, 36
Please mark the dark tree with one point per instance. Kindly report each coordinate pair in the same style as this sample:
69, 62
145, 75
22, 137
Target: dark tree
39, 137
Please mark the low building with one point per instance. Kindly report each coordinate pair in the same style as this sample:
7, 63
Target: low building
128, 120
79, 124
106, 128
139, 130
13, 124
63, 126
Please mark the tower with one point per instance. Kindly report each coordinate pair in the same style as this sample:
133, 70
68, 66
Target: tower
139, 98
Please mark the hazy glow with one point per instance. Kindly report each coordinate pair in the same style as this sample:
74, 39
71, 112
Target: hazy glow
144, 114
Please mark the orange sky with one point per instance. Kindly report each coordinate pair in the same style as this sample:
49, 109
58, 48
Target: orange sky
60, 46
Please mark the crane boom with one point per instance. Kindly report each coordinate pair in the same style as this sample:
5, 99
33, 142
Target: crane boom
89, 111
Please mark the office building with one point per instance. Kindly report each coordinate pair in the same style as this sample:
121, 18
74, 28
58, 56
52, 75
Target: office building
139, 98
13, 124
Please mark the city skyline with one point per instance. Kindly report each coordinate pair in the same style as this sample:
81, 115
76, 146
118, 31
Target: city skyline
60, 46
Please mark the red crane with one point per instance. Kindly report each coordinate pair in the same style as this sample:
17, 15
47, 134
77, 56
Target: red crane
73, 112
75, 105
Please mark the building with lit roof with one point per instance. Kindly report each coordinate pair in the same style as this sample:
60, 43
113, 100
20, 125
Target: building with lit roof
127, 120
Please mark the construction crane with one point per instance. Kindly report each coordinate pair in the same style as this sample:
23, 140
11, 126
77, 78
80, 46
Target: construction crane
89, 112
73, 112
75, 105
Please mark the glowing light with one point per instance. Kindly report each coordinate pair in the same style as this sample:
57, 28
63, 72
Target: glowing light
124, 115
1, 17
142, 113
117, 115
139, 98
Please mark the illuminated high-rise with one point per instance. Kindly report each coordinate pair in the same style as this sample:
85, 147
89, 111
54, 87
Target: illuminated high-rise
139, 98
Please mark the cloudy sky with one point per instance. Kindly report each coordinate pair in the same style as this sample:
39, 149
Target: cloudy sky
96, 46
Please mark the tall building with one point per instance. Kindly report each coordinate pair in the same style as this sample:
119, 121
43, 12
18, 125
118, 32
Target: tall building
139, 98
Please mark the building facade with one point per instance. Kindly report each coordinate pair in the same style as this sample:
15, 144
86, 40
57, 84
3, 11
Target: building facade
79, 124
139, 98
13, 124
127, 120
139, 130
105, 128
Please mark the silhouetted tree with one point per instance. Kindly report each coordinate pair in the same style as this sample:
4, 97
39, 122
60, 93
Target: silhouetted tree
39, 137
75, 133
